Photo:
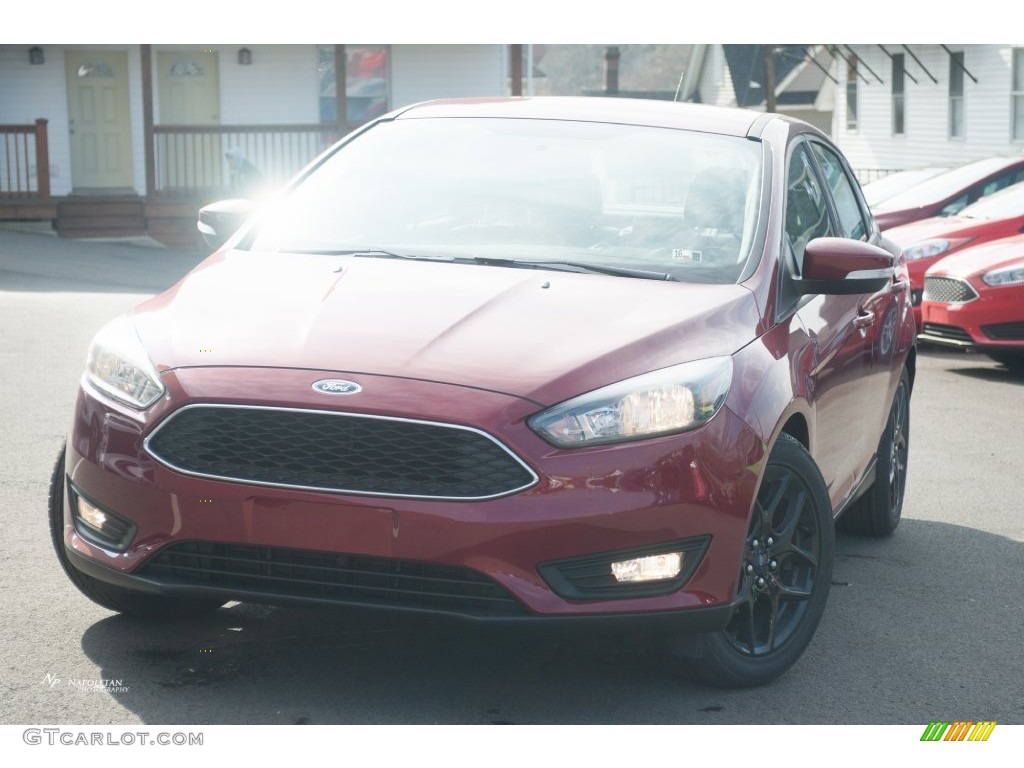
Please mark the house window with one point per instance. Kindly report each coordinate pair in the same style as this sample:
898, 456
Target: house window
898, 95
366, 83
956, 95
1018, 94
851, 91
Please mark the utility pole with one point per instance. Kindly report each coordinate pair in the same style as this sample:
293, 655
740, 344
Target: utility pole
769, 78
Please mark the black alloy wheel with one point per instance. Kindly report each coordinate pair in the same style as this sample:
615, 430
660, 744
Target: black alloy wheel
784, 577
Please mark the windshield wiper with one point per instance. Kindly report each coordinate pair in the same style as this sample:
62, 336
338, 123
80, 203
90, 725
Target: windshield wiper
372, 253
569, 266
561, 266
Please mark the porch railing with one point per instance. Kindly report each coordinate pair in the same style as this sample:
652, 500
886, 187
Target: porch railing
192, 159
24, 162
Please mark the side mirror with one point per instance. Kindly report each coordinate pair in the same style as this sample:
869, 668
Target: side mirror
219, 221
836, 266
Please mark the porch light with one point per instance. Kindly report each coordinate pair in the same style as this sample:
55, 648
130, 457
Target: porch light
35, 55
244, 57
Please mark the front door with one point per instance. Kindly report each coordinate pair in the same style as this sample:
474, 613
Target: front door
188, 83
98, 119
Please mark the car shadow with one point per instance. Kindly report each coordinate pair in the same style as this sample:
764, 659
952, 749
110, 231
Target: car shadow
994, 373
974, 365
909, 618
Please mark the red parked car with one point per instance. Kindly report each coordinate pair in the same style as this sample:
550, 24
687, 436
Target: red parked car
975, 301
949, 193
926, 242
514, 359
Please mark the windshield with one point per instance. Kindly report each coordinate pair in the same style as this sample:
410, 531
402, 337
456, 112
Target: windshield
944, 185
649, 200
1005, 204
887, 186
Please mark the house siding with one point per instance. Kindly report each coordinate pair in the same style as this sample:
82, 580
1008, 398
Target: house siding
715, 83
423, 72
926, 139
280, 86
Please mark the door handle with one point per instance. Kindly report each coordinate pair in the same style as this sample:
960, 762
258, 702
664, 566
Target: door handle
865, 319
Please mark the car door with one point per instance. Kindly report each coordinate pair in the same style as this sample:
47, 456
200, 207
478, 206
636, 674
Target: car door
878, 313
835, 327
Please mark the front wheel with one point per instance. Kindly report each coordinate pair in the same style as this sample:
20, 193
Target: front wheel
784, 576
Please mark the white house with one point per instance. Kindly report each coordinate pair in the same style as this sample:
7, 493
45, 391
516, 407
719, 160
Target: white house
136, 133
908, 106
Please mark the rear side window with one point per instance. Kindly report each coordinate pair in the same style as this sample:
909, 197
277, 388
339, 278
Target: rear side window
851, 222
806, 210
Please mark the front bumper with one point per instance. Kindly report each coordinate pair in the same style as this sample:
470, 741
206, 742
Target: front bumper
976, 325
699, 485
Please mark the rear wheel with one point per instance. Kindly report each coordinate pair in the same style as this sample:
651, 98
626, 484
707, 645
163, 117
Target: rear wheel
138, 604
878, 511
784, 576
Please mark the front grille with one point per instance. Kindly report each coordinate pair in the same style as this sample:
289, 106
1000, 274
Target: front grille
341, 578
948, 290
950, 332
1004, 331
342, 452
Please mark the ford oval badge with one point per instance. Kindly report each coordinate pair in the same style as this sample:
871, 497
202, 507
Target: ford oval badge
336, 387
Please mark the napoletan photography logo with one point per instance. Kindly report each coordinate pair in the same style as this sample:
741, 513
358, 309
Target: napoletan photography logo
92, 684
958, 730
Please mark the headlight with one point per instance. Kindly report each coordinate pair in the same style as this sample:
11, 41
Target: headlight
931, 248
1011, 275
658, 403
118, 365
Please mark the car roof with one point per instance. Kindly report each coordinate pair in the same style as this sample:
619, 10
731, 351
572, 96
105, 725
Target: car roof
646, 112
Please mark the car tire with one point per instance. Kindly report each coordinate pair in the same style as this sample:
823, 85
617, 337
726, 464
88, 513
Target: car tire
137, 604
878, 511
784, 577
1013, 361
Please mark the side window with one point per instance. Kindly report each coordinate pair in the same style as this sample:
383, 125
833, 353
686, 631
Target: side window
851, 222
806, 210
978, 191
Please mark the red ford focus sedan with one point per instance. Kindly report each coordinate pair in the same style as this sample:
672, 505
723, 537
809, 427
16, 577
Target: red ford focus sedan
513, 360
975, 301
926, 242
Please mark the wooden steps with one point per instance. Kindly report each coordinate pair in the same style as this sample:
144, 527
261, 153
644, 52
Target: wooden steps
100, 217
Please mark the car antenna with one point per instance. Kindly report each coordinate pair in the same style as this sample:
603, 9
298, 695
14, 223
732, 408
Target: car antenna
679, 87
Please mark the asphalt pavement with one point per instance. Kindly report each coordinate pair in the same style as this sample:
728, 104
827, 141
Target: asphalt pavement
925, 625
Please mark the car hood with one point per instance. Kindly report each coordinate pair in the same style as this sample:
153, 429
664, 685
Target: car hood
948, 227
982, 258
538, 334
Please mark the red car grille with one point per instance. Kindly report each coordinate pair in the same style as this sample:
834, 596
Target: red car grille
341, 452
948, 290
345, 579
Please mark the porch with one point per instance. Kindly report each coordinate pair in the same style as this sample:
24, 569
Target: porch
180, 167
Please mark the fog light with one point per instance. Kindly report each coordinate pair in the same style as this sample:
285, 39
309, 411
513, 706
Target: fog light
101, 526
652, 568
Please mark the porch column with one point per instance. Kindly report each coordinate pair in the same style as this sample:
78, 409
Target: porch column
42, 161
339, 89
146, 54
515, 53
